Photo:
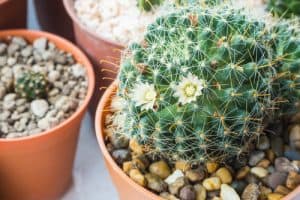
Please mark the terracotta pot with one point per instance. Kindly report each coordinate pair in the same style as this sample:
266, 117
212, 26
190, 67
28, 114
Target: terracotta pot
39, 167
53, 18
104, 54
13, 14
128, 189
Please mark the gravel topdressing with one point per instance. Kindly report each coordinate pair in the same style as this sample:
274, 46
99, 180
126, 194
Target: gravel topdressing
67, 80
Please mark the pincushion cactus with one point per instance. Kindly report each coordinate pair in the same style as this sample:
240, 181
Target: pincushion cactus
31, 85
203, 81
285, 8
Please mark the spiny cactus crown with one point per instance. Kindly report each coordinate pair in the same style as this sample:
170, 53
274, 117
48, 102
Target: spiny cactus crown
31, 85
284, 8
203, 80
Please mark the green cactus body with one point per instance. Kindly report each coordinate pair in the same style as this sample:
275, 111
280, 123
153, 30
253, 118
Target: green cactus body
203, 81
31, 85
284, 8
147, 5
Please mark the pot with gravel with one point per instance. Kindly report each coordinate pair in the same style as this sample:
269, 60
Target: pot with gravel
45, 86
201, 107
13, 14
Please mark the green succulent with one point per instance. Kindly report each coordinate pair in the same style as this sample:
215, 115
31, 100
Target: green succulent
31, 85
147, 5
203, 82
284, 8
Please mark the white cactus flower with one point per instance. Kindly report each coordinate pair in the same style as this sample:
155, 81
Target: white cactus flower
189, 88
144, 95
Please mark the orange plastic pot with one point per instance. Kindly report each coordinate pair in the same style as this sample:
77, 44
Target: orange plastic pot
104, 54
128, 189
53, 18
13, 14
39, 167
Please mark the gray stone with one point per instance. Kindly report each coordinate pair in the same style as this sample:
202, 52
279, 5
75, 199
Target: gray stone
275, 179
40, 44
187, 193
292, 154
263, 143
251, 192
294, 137
155, 183
282, 164
255, 157
39, 107
121, 156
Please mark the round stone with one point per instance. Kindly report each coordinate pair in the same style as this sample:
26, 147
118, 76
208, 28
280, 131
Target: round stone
39, 107
294, 137
187, 193
160, 169
228, 193
213, 183
225, 175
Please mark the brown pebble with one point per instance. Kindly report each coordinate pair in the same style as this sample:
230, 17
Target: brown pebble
270, 155
251, 192
264, 163
138, 177
293, 180
243, 172
195, 175
160, 169
275, 196
211, 167
224, 174
135, 147
264, 191
127, 166
182, 165
187, 193
282, 190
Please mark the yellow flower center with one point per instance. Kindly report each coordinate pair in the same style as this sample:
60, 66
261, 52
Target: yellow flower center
150, 95
190, 90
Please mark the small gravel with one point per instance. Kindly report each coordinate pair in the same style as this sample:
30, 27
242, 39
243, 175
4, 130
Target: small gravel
67, 79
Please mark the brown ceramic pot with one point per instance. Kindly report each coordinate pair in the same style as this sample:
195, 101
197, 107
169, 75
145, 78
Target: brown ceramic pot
39, 167
104, 54
13, 14
128, 189
53, 18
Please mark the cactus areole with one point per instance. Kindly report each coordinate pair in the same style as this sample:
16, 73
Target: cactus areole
203, 82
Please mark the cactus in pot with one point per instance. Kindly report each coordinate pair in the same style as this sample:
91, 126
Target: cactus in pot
31, 85
285, 8
203, 82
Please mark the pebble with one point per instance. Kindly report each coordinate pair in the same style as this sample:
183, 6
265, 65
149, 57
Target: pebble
239, 185
292, 154
277, 146
294, 137
275, 179
40, 44
265, 163
39, 107
212, 183
282, 164
211, 167
182, 165
78, 71
177, 185
155, 183
225, 175
263, 143
256, 157
282, 190
259, 172
121, 156
243, 172
135, 147
174, 176
228, 193
168, 196
127, 166
251, 192
275, 196
187, 193
264, 191
119, 142
293, 180
138, 177
200, 192
195, 175
160, 169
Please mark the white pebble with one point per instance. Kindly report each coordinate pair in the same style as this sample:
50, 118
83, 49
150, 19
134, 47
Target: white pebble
39, 107
78, 71
228, 193
259, 172
174, 176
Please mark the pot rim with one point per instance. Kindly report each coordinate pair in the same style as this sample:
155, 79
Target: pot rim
83, 59
3, 1
71, 12
99, 126
99, 119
